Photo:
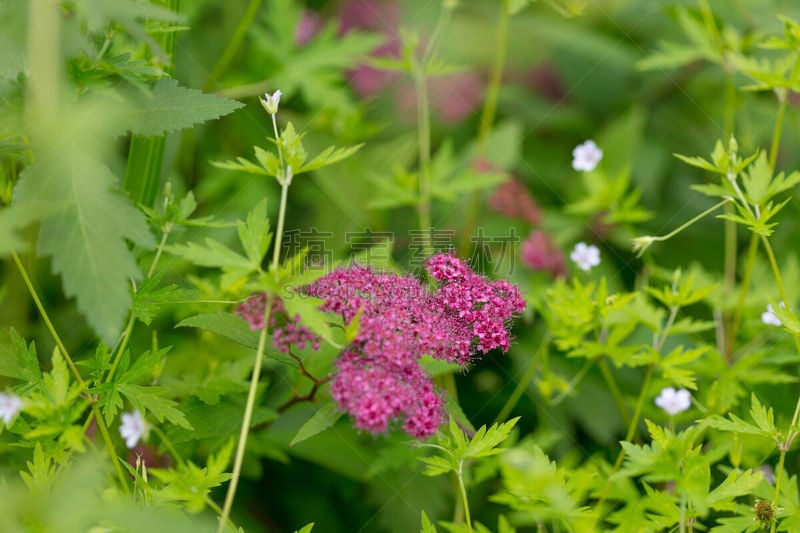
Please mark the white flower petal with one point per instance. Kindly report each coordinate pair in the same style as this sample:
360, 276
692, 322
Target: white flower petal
586, 156
674, 401
132, 428
10, 406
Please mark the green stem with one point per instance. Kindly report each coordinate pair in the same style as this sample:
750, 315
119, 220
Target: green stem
487, 120
775, 270
65, 354
424, 138
637, 412
279, 231
123, 345
522, 384
159, 251
464, 500
496, 79
778, 479
691, 221
614, 389
728, 120
576, 379
233, 45
43, 59
776, 136
146, 154
658, 344
733, 331
682, 523
168, 445
424, 129
248, 415
254, 380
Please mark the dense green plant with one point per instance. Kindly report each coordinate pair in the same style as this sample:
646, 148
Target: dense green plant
180, 320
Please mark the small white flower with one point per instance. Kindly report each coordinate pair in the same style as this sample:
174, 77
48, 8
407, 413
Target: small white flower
586, 156
674, 401
585, 256
133, 428
769, 317
270, 102
10, 406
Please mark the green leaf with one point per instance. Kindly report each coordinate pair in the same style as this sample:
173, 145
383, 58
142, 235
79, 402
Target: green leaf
19, 361
242, 165
170, 107
147, 364
515, 6
147, 300
150, 399
254, 235
427, 525
762, 416
735, 485
485, 441
325, 417
228, 325
214, 254
10, 223
306, 529
85, 233
312, 317
504, 526
329, 156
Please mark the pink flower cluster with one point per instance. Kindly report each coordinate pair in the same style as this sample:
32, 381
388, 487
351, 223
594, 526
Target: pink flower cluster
379, 378
539, 252
285, 332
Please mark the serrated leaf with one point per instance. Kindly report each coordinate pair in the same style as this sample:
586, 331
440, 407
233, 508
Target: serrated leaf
86, 235
735, 485
10, 224
242, 165
325, 417
427, 525
148, 299
762, 416
214, 254
437, 465
504, 526
329, 156
734, 424
230, 326
147, 363
254, 235
312, 317
150, 399
170, 107
698, 162
268, 161
757, 179
485, 441
19, 361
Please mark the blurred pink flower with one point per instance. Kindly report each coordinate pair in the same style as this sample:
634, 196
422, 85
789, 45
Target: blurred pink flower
379, 17
545, 80
539, 252
512, 199
307, 27
454, 97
